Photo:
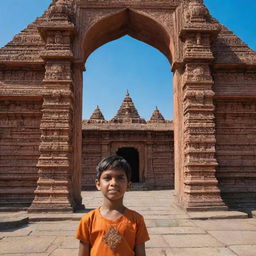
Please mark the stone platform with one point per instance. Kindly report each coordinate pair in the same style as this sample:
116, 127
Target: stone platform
173, 232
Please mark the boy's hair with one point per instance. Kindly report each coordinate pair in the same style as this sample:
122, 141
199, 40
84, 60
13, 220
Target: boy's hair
114, 162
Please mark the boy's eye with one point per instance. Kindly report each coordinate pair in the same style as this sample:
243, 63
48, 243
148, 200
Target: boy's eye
107, 178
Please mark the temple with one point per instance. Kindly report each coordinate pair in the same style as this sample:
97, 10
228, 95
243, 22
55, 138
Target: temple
147, 145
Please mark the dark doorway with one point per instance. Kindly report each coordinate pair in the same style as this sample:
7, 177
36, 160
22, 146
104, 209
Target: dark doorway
131, 155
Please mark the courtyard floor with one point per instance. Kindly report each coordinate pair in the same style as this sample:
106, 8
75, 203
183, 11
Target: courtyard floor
172, 231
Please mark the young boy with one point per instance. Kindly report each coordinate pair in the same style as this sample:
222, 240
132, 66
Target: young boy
112, 229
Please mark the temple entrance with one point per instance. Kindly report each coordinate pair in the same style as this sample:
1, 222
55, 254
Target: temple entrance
131, 155
127, 127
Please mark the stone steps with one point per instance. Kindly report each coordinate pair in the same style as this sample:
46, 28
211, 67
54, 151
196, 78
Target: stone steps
139, 187
13, 199
14, 207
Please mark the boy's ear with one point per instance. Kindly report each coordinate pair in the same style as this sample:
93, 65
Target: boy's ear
97, 183
129, 185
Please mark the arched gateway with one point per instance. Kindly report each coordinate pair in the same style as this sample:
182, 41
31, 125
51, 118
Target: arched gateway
41, 104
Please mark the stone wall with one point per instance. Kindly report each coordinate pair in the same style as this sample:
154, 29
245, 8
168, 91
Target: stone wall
235, 112
163, 160
91, 156
156, 153
236, 150
19, 151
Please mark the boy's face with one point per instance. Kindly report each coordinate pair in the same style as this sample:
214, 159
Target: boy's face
113, 184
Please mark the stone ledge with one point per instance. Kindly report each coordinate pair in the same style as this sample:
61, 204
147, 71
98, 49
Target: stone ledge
36, 217
13, 222
18, 220
10, 220
217, 215
54, 217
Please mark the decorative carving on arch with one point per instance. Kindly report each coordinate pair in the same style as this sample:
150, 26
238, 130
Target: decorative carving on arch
115, 23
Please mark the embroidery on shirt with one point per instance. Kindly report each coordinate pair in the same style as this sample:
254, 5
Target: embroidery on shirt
112, 238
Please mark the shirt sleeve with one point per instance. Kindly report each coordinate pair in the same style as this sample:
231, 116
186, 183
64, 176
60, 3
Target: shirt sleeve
82, 233
142, 233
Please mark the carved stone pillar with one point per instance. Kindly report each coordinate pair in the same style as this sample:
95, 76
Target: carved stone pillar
201, 190
54, 187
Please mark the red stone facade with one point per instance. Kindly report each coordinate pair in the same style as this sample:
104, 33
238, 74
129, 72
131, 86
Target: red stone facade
148, 146
214, 101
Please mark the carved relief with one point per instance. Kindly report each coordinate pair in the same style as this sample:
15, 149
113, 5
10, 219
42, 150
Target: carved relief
24, 55
195, 11
197, 73
61, 9
92, 16
133, 3
198, 98
58, 39
58, 71
21, 76
27, 40
197, 41
165, 19
61, 94
197, 46
54, 147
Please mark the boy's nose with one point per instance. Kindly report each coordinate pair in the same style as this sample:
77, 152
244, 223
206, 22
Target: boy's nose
113, 182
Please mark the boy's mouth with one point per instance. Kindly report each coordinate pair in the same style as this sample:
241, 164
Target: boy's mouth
113, 190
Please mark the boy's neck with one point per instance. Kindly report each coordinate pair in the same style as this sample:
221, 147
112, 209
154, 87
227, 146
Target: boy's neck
113, 205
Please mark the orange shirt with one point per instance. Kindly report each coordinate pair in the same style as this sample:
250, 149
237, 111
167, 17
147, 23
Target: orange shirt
112, 238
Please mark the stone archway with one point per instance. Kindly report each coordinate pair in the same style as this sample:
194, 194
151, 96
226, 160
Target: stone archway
212, 69
143, 22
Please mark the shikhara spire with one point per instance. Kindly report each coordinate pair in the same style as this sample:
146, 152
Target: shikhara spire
128, 113
97, 116
157, 117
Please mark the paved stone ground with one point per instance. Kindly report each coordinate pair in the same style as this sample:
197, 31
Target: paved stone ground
172, 231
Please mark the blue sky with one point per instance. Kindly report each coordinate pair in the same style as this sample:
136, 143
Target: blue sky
127, 63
